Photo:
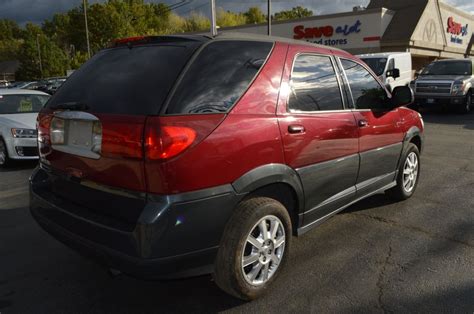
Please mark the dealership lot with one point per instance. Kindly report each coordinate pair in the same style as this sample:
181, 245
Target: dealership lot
376, 256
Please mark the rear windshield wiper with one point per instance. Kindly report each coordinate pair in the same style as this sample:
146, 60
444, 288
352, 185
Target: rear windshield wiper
70, 106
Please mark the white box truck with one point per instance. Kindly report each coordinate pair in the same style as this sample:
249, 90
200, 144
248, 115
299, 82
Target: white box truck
386, 64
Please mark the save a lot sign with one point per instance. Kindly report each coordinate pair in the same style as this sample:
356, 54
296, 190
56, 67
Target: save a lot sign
457, 31
347, 33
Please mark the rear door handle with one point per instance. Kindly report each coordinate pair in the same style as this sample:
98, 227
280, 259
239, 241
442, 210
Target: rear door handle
363, 123
295, 129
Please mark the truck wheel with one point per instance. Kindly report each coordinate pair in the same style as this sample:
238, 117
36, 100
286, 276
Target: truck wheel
408, 175
254, 248
4, 160
466, 106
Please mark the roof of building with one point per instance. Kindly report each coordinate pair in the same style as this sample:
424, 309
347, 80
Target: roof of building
223, 36
258, 37
382, 54
407, 15
9, 67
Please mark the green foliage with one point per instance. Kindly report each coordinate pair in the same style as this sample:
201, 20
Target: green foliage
196, 22
254, 16
54, 60
9, 30
295, 13
227, 18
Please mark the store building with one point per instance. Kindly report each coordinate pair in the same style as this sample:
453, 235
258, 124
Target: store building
428, 29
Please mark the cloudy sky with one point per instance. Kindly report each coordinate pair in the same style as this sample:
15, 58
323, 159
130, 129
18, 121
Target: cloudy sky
36, 11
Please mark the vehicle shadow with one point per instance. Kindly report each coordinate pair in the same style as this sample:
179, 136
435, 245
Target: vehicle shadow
445, 116
17, 165
375, 201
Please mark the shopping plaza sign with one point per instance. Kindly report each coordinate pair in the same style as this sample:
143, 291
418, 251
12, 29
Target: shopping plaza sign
457, 31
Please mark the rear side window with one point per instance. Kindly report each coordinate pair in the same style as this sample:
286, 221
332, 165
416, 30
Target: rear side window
366, 91
125, 80
314, 85
218, 77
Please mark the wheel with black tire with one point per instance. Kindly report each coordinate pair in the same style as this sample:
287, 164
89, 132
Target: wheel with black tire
408, 175
254, 248
466, 106
4, 160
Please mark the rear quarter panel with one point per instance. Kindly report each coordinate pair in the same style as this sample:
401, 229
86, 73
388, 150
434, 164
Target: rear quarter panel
247, 138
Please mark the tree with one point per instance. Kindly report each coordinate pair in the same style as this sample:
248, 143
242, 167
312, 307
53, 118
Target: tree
10, 40
197, 22
255, 16
294, 13
9, 30
54, 60
227, 18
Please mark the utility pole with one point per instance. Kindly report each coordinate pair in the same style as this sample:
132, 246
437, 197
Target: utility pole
84, 2
269, 17
39, 55
213, 18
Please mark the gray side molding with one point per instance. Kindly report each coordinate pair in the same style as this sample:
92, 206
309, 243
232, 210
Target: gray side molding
268, 174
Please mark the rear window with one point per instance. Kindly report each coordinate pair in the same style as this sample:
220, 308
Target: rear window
128, 80
10, 104
218, 77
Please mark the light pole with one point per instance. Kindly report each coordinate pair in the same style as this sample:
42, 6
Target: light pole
269, 17
213, 18
39, 55
87, 29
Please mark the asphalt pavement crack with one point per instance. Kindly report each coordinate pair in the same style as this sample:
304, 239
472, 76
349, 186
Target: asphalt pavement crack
381, 279
411, 228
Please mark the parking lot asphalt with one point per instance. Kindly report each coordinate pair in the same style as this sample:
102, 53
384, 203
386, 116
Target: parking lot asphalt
376, 256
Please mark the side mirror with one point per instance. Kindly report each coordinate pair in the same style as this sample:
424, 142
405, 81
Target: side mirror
402, 96
395, 73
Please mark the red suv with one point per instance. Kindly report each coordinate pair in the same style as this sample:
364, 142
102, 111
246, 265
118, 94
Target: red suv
166, 157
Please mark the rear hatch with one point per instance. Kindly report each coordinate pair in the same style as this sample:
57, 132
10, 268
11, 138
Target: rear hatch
120, 122
91, 132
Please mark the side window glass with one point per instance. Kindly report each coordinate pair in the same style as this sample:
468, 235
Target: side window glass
218, 77
314, 85
366, 91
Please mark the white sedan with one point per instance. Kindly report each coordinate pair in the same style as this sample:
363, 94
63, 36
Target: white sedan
18, 111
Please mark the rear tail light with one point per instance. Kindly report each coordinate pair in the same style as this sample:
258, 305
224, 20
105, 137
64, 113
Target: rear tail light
44, 142
57, 131
167, 141
97, 137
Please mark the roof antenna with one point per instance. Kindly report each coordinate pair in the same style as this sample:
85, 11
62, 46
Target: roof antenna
213, 19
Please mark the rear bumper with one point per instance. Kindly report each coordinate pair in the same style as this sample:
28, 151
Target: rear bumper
174, 236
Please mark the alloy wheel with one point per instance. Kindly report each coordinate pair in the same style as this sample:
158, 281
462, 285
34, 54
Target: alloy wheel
263, 250
410, 172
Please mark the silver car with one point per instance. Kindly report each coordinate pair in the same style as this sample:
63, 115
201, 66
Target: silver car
18, 111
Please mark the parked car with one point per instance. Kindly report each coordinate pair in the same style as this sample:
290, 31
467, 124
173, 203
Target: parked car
166, 157
4, 84
28, 85
393, 68
18, 112
446, 82
51, 85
